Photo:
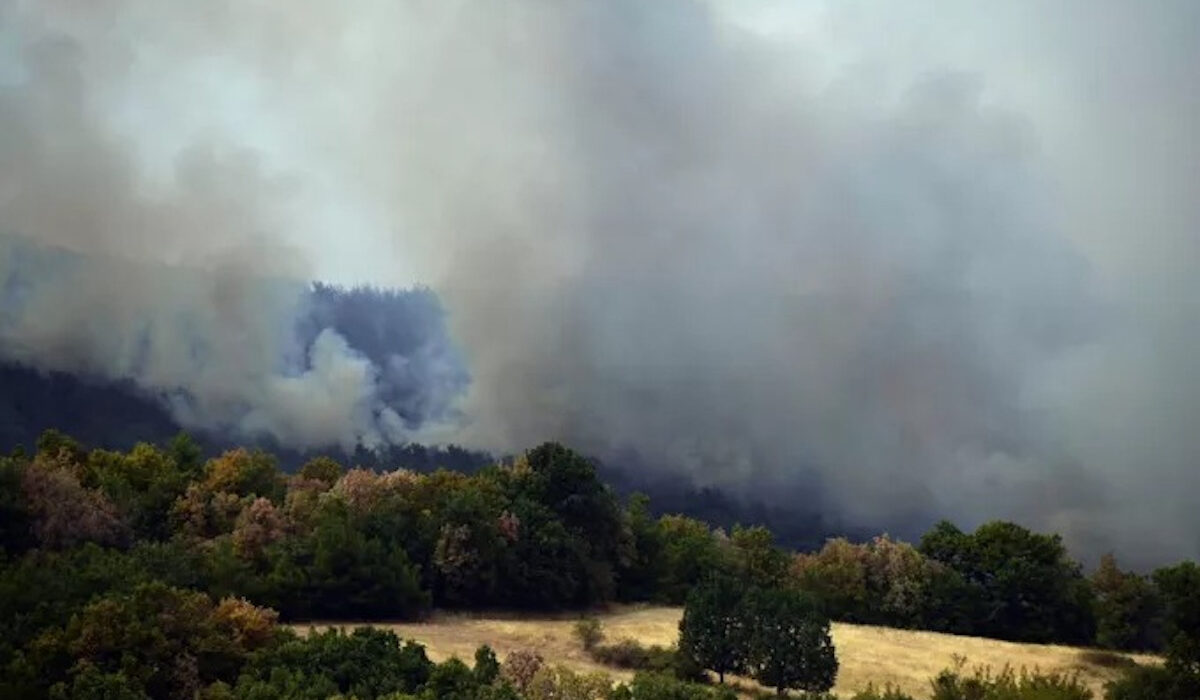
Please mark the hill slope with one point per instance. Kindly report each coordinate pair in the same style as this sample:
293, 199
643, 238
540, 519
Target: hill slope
878, 655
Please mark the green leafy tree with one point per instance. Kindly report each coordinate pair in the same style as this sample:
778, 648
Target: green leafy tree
487, 667
565, 482
1128, 609
1022, 585
57, 445
755, 557
543, 567
244, 473
90, 683
185, 452
323, 469
1154, 683
365, 663
836, 575
790, 645
166, 641
451, 680
1179, 586
690, 553
714, 631
469, 546
642, 569
337, 570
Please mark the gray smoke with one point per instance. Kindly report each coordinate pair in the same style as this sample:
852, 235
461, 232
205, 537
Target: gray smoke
182, 281
898, 262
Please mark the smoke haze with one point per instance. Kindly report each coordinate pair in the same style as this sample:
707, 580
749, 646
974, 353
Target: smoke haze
893, 262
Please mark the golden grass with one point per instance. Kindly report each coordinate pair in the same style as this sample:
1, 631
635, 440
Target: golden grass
876, 655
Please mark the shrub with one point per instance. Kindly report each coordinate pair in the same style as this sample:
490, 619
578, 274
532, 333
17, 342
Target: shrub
520, 667
888, 693
560, 683
589, 632
659, 686
487, 668
1008, 685
451, 680
1154, 683
629, 654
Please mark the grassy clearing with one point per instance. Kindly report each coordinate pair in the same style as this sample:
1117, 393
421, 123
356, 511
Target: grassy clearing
867, 654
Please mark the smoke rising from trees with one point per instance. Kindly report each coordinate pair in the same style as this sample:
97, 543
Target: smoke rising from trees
931, 260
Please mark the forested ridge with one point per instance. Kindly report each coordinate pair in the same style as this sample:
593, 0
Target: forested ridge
117, 567
33, 401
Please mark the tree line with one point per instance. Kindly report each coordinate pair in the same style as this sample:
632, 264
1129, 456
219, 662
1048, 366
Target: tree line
539, 532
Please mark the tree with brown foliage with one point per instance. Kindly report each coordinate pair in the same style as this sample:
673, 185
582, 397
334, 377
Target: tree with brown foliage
64, 512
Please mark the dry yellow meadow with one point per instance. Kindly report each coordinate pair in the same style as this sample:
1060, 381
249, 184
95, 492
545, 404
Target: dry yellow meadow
878, 655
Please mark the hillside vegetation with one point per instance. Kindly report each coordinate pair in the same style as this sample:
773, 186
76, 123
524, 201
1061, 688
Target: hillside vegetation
157, 573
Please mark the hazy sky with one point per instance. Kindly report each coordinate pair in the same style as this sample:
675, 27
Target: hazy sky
906, 260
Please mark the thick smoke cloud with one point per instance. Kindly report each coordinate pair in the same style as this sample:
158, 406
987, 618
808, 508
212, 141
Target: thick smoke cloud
894, 263
178, 282
242, 357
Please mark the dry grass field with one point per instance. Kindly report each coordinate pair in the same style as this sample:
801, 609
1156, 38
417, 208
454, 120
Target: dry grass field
867, 654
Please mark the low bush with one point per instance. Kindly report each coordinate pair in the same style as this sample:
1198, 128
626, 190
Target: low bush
589, 632
487, 668
887, 693
660, 686
561, 683
630, 655
1008, 685
1154, 683
520, 667
760, 693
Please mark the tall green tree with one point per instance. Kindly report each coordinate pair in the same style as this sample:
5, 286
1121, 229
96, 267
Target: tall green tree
714, 631
790, 645
755, 558
1180, 589
336, 570
1128, 608
642, 570
566, 482
1023, 585
690, 553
